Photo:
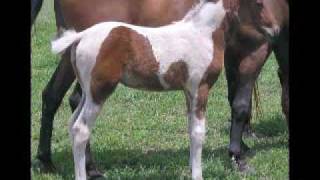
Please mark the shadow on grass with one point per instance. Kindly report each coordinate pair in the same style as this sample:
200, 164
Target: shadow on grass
155, 164
274, 126
138, 164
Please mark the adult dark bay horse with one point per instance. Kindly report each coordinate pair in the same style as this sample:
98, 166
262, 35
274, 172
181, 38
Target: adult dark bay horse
245, 55
248, 45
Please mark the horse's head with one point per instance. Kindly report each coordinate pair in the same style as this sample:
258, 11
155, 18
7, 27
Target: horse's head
266, 15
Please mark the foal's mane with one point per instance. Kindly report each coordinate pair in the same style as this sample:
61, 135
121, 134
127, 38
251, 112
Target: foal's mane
193, 11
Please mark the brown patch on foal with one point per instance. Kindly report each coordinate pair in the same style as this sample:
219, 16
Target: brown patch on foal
124, 56
142, 67
177, 75
212, 72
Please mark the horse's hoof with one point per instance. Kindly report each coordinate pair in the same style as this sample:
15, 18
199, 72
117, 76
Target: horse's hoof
95, 174
45, 166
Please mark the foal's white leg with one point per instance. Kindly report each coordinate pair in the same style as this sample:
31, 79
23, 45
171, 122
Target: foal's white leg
80, 133
197, 137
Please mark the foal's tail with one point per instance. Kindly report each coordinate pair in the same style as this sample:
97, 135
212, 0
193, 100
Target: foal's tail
59, 45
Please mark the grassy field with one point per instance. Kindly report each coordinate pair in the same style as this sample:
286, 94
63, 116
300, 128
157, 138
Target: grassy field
143, 135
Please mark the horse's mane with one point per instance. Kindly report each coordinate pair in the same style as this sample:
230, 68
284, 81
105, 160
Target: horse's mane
193, 11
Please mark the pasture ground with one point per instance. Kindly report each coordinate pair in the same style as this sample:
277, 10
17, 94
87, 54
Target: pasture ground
143, 135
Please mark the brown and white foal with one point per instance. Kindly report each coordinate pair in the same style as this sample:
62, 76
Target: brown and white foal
186, 55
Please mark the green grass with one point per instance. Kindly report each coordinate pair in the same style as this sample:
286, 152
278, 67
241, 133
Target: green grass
143, 135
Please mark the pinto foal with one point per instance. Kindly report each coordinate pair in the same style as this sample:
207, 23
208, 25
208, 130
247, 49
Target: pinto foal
186, 55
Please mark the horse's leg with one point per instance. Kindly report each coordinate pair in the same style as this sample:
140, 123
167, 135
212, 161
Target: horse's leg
247, 129
232, 76
60, 23
249, 69
281, 50
231, 70
35, 9
80, 132
53, 94
239, 114
196, 105
51, 99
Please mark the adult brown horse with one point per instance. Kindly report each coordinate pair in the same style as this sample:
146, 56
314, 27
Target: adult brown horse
242, 64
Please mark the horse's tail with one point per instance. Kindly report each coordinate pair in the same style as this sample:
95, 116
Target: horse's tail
256, 95
59, 45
